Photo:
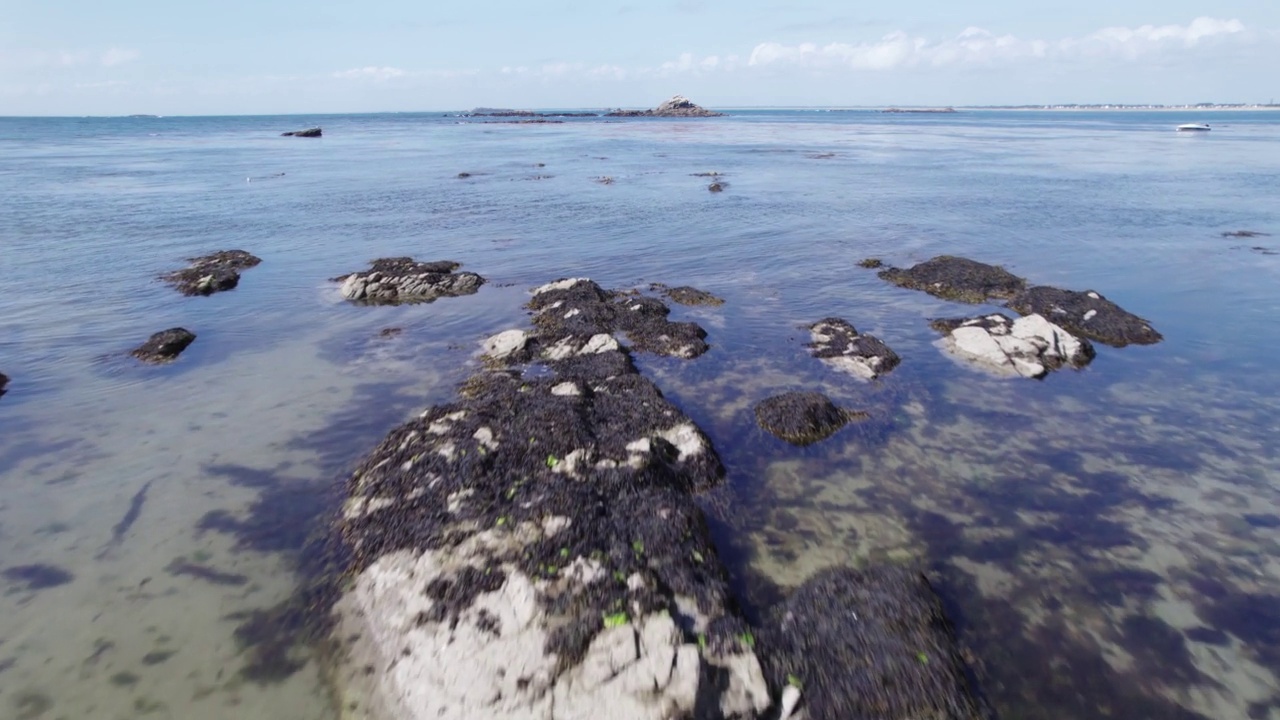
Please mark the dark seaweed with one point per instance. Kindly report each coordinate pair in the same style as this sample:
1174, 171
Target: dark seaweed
38, 576
130, 517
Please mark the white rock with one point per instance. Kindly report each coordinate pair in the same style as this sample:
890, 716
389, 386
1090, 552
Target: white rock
599, 343
566, 388
506, 343
558, 285
979, 345
790, 698
686, 438
353, 287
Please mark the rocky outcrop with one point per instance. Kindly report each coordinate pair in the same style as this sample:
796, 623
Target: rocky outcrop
4, 383
211, 273
686, 295
802, 418
957, 278
576, 315
869, 643
391, 281
1088, 314
924, 111
308, 133
534, 550
870, 263
1030, 346
164, 346
838, 344
678, 106
716, 187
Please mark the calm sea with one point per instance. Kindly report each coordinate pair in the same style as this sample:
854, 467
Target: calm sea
1107, 540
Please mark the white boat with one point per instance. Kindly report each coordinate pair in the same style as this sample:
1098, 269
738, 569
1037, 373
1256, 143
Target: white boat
1193, 127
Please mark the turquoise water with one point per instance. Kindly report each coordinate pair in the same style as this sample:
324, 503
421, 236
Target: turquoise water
1107, 539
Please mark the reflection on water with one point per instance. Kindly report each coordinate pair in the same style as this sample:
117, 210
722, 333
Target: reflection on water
1107, 539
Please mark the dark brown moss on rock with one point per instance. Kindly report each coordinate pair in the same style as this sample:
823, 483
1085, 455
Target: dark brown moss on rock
391, 281
686, 295
802, 418
213, 273
957, 278
836, 342
577, 316
869, 643
1087, 314
164, 346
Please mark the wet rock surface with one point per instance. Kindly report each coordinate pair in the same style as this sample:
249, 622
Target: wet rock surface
533, 549
838, 344
678, 106
802, 418
957, 278
4, 383
391, 281
869, 644
308, 133
1087, 314
686, 295
164, 346
211, 273
871, 263
576, 316
1030, 346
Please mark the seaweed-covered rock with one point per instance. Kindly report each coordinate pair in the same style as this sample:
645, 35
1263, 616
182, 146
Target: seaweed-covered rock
839, 345
391, 281
677, 106
1088, 314
164, 346
686, 295
870, 263
802, 418
308, 133
957, 278
4, 383
863, 644
575, 316
1030, 346
534, 549
211, 273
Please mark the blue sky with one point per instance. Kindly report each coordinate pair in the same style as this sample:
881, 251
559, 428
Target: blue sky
81, 57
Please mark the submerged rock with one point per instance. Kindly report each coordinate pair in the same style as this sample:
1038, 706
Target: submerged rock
716, 187
870, 263
1244, 234
391, 281
869, 643
4, 383
802, 418
576, 316
164, 346
957, 278
686, 295
678, 106
1030, 346
211, 273
534, 549
839, 345
308, 133
1088, 314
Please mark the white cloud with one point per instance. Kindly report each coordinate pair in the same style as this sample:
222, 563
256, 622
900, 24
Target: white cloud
118, 56
380, 74
976, 46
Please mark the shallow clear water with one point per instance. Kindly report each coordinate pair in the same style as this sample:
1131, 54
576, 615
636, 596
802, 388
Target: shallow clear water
1108, 540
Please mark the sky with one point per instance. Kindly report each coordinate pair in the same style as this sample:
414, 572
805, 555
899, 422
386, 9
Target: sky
200, 57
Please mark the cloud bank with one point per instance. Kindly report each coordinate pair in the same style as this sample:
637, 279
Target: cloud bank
977, 46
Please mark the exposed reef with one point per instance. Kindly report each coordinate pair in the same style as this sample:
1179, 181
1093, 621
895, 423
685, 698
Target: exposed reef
4, 383
838, 344
869, 644
575, 314
1088, 314
391, 281
1030, 346
164, 346
678, 106
686, 295
957, 278
211, 273
534, 550
802, 418
314, 132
